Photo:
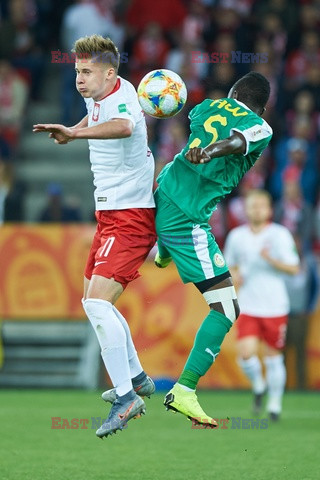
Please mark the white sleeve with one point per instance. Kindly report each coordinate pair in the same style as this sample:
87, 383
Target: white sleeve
122, 108
255, 136
230, 250
286, 248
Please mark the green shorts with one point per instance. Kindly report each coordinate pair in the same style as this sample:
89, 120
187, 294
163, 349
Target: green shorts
192, 246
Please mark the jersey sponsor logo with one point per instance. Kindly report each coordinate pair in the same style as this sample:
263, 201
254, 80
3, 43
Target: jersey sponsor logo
257, 132
96, 112
102, 199
219, 261
123, 108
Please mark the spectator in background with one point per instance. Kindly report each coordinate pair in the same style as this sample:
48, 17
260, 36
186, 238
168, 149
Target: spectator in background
309, 17
187, 53
292, 211
149, 52
59, 210
286, 10
17, 43
5, 183
304, 109
172, 139
216, 93
272, 30
12, 190
312, 83
143, 12
88, 17
194, 23
218, 223
223, 76
298, 156
254, 179
299, 61
303, 289
13, 99
316, 227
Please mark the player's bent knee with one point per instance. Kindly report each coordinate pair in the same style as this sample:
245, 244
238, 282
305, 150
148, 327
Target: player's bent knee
223, 300
247, 348
246, 355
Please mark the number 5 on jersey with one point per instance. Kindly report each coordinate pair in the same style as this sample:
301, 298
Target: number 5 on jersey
210, 129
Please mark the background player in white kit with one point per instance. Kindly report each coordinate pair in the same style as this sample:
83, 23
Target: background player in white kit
123, 170
259, 254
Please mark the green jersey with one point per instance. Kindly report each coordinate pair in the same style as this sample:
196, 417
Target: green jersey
196, 189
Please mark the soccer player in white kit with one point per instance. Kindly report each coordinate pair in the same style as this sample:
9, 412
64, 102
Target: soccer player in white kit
123, 170
259, 254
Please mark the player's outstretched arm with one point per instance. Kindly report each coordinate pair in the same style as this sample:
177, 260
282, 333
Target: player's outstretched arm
82, 124
232, 145
115, 128
59, 133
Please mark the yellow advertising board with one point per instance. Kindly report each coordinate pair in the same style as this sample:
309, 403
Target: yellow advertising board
42, 277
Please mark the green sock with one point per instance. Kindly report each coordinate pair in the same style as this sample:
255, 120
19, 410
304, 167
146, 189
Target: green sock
205, 349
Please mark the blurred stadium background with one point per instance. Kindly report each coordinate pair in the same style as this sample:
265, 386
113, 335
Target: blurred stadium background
47, 210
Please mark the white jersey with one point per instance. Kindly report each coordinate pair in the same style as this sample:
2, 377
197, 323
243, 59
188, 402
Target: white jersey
123, 169
263, 292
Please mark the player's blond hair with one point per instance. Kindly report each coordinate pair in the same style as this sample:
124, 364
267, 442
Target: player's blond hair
259, 192
103, 50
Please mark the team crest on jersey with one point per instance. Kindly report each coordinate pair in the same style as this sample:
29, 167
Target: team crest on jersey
96, 111
218, 259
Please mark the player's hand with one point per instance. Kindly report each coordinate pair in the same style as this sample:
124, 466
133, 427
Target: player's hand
197, 155
266, 255
59, 133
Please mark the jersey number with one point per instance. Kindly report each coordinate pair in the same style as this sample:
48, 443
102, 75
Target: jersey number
107, 247
210, 129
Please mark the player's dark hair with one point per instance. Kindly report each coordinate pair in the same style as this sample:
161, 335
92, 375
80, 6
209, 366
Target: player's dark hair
253, 89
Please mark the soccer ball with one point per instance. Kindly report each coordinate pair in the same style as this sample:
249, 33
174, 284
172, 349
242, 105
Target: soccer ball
162, 93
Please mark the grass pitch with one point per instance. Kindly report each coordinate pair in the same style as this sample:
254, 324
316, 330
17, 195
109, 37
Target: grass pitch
160, 445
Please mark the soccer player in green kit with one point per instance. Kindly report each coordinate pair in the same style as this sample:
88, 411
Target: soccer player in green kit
227, 137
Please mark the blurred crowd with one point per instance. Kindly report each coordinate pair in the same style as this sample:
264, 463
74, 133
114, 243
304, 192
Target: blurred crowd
286, 33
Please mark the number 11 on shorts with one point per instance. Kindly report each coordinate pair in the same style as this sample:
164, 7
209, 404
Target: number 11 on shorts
107, 247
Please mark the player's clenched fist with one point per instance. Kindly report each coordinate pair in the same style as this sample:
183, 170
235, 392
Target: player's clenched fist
197, 155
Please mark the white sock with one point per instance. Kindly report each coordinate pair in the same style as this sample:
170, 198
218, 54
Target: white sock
134, 362
113, 342
276, 381
253, 370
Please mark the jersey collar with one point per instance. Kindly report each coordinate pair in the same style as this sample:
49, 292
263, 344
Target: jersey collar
243, 105
115, 88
